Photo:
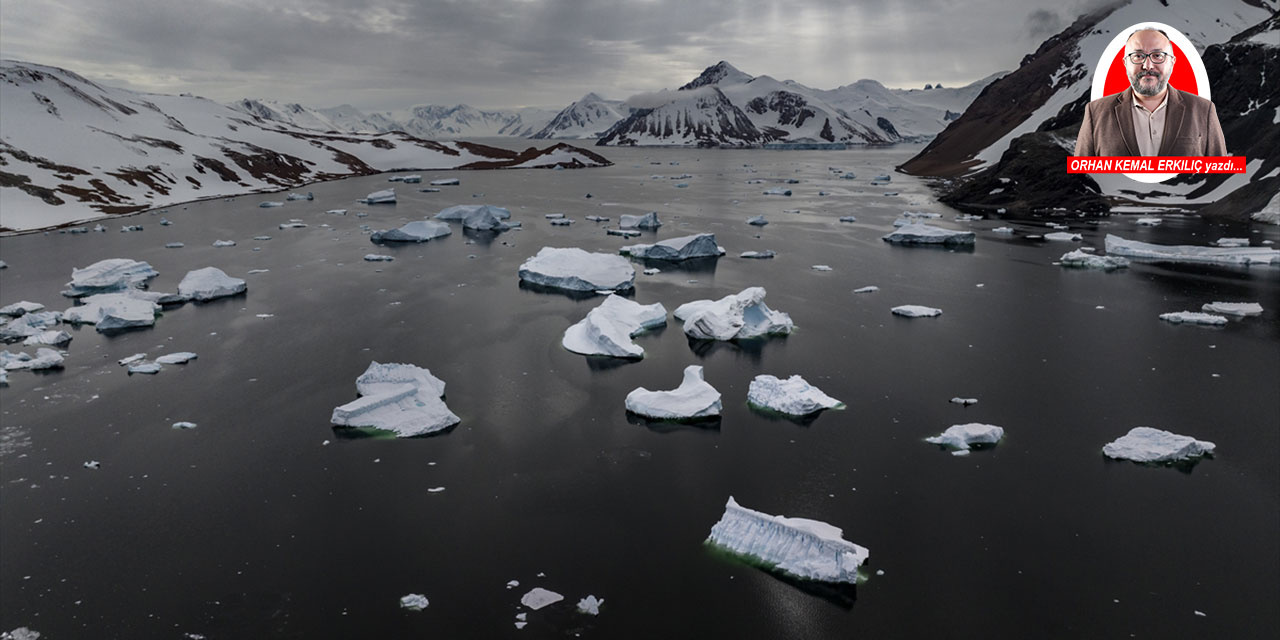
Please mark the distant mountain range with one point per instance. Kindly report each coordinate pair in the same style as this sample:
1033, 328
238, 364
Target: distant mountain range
73, 150
722, 107
1009, 149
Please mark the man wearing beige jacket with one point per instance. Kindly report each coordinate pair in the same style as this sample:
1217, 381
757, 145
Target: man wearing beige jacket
1150, 118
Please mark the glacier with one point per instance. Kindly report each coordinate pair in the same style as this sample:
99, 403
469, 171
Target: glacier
607, 330
402, 398
793, 396
807, 549
1147, 444
742, 315
694, 398
577, 270
702, 245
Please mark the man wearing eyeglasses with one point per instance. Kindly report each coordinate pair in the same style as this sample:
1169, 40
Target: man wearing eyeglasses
1150, 118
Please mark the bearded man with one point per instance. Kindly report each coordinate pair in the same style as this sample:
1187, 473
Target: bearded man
1150, 118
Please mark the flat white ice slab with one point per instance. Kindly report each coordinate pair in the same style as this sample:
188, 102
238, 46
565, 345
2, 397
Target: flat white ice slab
920, 233
607, 330
962, 436
1146, 444
1190, 253
209, 283
385, 196
808, 549
694, 398
793, 396
113, 311
402, 398
1063, 236
702, 245
1193, 317
180, 357
1081, 260
578, 270
538, 598
743, 315
18, 309
416, 231
1234, 308
916, 311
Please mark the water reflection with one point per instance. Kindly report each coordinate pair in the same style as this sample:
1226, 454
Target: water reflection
704, 425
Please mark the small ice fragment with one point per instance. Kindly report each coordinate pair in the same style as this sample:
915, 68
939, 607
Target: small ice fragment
1008, 231
820, 267
757, 221
1148, 222
916, 311
435, 489
961, 436
446, 182
777, 191
1231, 242
590, 605
848, 219
964, 401
132, 359
1199, 613
538, 598
880, 572
511, 584
521, 624
184, 425
758, 255
414, 602
1193, 317
867, 289
1084, 260
385, 196
1063, 236
265, 315
652, 271
92, 464
375, 257
149, 368
597, 218
181, 357
1146, 444
174, 245
224, 243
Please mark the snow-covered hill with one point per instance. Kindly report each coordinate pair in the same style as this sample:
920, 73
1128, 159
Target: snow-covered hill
424, 121
588, 117
73, 150
864, 112
1008, 150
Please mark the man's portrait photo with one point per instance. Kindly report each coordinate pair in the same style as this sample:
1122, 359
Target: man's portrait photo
1151, 117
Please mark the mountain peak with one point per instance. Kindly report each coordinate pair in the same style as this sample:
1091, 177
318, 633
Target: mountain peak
719, 73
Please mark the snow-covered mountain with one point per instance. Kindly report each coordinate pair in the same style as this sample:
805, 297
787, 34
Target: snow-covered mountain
1009, 148
74, 150
588, 117
424, 121
864, 112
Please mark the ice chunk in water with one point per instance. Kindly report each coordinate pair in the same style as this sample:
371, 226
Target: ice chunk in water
104, 276
808, 549
793, 396
414, 602
1193, 317
401, 398
19, 309
607, 330
1146, 444
916, 311
538, 598
740, 316
590, 605
1234, 308
181, 357
209, 283
578, 270
113, 311
1082, 260
962, 436
385, 196
647, 221
1118, 246
920, 233
694, 398
700, 245
416, 231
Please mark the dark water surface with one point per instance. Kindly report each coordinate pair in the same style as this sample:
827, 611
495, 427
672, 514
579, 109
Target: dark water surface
249, 526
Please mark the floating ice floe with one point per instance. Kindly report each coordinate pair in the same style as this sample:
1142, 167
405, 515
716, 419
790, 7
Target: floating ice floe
292, 225
335, 212
105, 276
209, 283
758, 255
477, 216
807, 549
1008, 231
867, 289
577, 270
113, 311
43, 360
1146, 444
1234, 308
299, 196
416, 231
916, 311
702, 245
224, 243
174, 245
184, 425
18, 309
647, 221
961, 437
848, 219
1082, 260
607, 330
1193, 317
562, 222
1063, 236
652, 271
743, 315
626, 233
48, 339
385, 196
821, 267
180, 357
694, 398
268, 205
590, 605
964, 401
968, 217
1189, 253
31, 324
414, 602
377, 257
597, 218
446, 182
757, 221
1148, 222
137, 357
920, 233
538, 598
149, 368
793, 396
402, 398
777, 191
1231, 242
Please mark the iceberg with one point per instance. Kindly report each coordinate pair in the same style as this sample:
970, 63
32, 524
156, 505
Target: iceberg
916, 311
1234, 308
477, 214
113, 311
446, 182
961, 437
106, 276
401, 398
1063, 236
742, 315
793, 396
694, 398
44, 359
577, 270
414, 602
209, 283
180, 357
590, 605
416, 231
1082, 260
921, 233
758, 255
1146, 444
385, 196
1193, 317
607, 330
538, 598
648, 221
19, 309
29, 325
48, 339
1190, 253
701, 245
807, 549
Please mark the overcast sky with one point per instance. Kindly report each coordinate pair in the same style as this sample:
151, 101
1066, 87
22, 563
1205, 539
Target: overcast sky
392, 54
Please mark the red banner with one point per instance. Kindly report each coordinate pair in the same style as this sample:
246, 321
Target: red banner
1156, 164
